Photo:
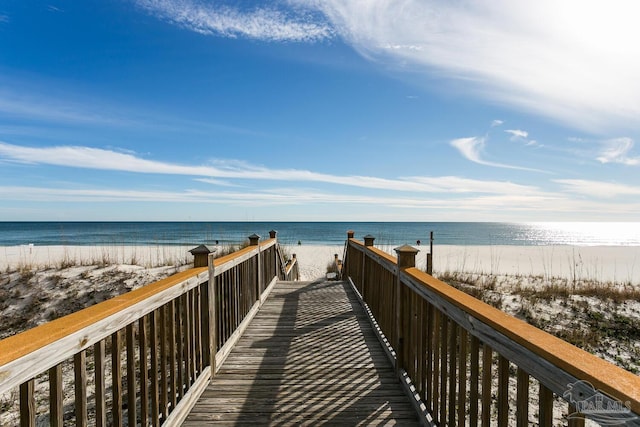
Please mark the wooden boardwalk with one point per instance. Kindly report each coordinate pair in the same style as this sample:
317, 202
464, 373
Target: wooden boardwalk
310, 357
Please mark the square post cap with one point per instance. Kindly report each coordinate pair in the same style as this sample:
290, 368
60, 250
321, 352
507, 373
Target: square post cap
272, 234
406, 256
368, 240
202, 249
350, 234
253, 239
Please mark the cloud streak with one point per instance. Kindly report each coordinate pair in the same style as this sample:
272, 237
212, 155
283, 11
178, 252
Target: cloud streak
574, 61
617, 151
101, 159
579, 67
600, 189
472, 149
267, 24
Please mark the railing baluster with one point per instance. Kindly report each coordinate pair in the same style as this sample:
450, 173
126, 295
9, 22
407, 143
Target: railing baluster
80, 369
27, 404
522, 400
153, 344
430, 357
192, 335
444, 335
144, 366
197, 314
453, 377
164, 394
437, 331
131, 376
99, 373
503, 391
545, 406
474, 383
462, 377
577, 420
172, 354
487, 362
116, 379
180, 380
56, 407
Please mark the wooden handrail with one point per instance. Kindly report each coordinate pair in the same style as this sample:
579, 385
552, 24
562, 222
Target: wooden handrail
605, 376
167, 322
434, 331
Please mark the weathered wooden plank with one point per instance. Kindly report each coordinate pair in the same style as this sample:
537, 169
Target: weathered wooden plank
27, 404
99, 372
304, 358
474, 382
522, 410
545, 406
80, 385
116, 378
144, 366
487, 359
56, 417
131, 375
503, 391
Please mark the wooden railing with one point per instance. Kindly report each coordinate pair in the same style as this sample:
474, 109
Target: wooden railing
468, 363
142, 358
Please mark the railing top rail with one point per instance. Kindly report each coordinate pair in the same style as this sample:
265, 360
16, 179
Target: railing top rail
25, 342
290, 265
384, 258
605, 376
18, 346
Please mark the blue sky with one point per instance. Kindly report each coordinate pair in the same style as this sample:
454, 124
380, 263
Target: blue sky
319, 110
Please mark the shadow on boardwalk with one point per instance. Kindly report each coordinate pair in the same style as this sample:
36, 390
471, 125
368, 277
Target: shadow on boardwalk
309, 357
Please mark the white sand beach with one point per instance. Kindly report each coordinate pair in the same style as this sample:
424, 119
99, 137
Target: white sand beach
606, 264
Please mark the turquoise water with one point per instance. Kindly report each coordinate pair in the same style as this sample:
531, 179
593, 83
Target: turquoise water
326, 233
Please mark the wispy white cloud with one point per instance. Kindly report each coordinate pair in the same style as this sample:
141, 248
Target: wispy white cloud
522, 136
472, 149
263, 23
517, 134
101, 159
471, 207
598, 189
573, 61
496, 123
617, 151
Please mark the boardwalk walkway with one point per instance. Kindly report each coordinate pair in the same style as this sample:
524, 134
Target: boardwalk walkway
309, 357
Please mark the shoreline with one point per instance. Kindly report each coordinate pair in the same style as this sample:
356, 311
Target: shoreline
602, 264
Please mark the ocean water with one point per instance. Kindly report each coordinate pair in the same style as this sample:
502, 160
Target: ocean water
320, 233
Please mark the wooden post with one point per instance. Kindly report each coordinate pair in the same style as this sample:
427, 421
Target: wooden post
345, 271
273, 234
430, 255
368, 242
213, 321
254, 240
406, 259
200, 255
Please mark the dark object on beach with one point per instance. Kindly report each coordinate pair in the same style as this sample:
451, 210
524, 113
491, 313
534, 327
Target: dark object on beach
418, 242
299, 242
201, 255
